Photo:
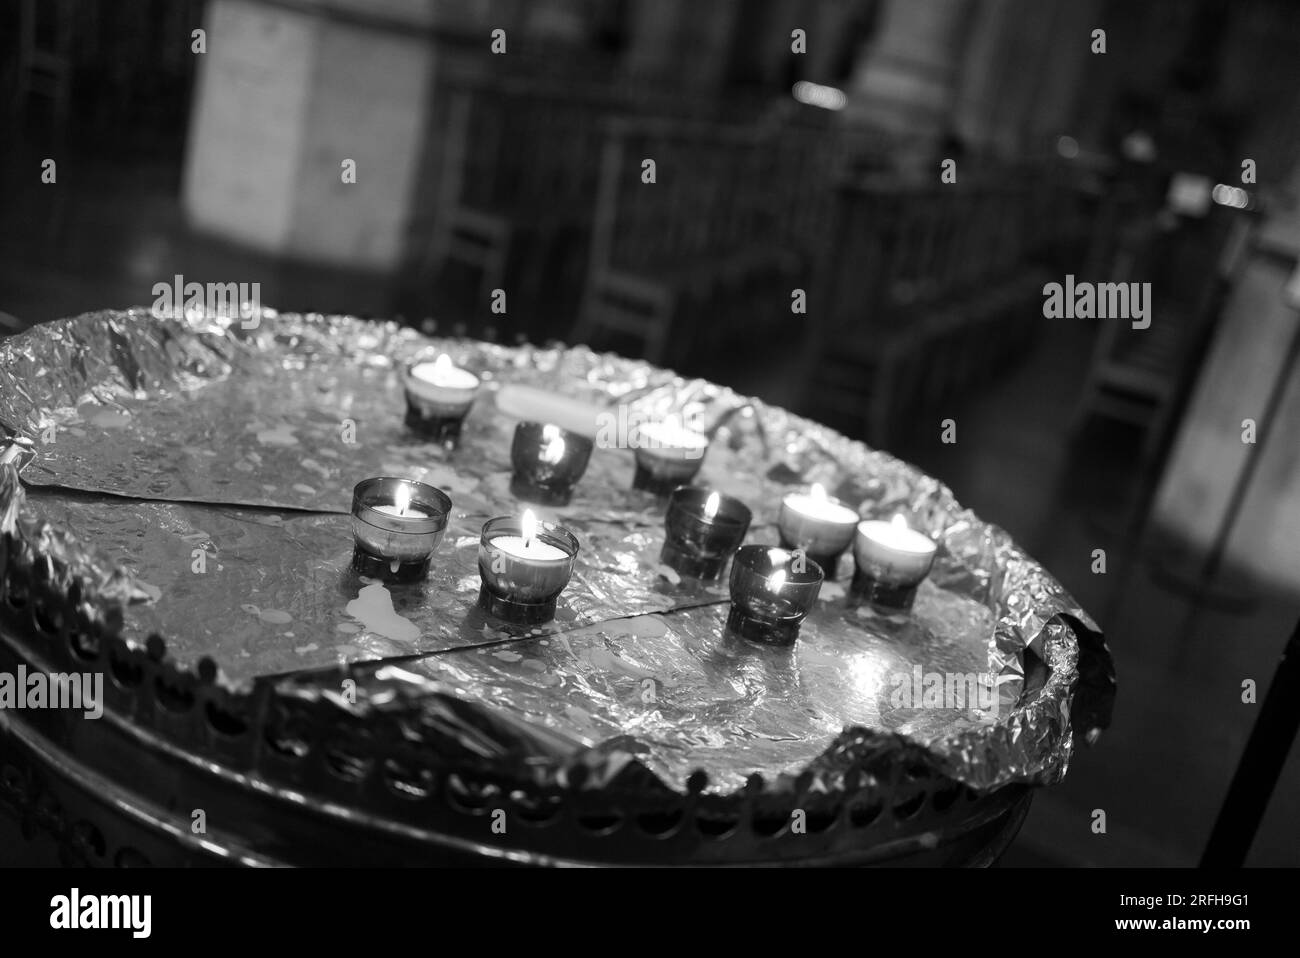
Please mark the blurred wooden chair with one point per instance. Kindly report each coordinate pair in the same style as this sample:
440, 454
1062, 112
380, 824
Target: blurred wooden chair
45, 66
1141, 376
922, 290
698, 251
519, 172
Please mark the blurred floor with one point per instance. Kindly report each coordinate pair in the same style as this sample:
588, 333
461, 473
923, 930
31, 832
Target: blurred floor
112, 227
1179, 725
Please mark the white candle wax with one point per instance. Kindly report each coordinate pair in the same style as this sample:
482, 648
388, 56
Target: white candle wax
894, 546
822, 509
819, 525
442, 382
521, 548
668, 440
531, 404
407, 513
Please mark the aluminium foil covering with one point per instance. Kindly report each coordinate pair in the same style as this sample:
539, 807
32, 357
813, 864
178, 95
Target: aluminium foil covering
202, 473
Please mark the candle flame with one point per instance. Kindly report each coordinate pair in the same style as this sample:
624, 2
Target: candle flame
528, 527
776, 581
711, 506
403, 499
442, 364
818, 492
553, 451
899, 522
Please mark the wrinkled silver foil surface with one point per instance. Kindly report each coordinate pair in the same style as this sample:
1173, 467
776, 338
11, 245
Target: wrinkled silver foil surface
205, 472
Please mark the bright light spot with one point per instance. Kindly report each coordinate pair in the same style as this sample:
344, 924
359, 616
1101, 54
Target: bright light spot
528, 526
824, 97
1067, 146
818, 492
711, 506
553, 451
403, 499
868, 674
1233, 196
899, 522
1139, 147
776, 581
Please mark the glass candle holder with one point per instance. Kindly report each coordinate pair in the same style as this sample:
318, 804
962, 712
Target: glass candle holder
396, 525
548, 462
821, 525
704, 529
438, 398
892, 558
667, 456
524, 566
772, 591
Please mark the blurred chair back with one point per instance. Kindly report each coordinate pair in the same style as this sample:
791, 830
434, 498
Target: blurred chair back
45, 65
927, 288
519, 169
708, 249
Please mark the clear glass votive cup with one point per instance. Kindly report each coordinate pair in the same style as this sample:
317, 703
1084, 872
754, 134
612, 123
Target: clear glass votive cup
548, 462
772, 591
667, 456
518, 587
890, 562
396, 546
697, 544
436, 406
823, 528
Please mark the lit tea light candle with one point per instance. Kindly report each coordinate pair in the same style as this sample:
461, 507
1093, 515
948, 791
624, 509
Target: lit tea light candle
396, 525
703, 530
438, 397
524, 565
821, 525
772, 591
892, 558
548, 462
668, 455
402, 506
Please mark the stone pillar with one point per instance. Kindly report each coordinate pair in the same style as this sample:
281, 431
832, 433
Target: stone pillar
905, 83
283, 96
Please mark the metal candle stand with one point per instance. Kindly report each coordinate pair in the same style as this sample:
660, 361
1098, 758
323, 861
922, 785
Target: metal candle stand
409, 774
